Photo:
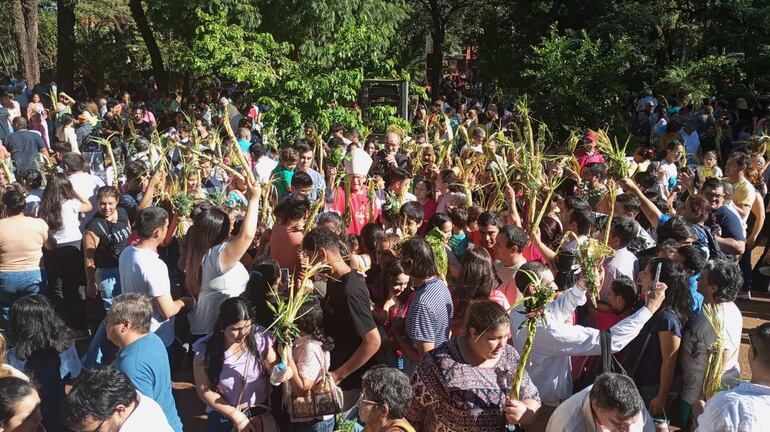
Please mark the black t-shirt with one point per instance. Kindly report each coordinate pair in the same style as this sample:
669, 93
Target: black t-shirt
112, 238
347, 316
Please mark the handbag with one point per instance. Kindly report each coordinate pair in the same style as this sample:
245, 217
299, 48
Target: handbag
256, 413
323, 398
592, 368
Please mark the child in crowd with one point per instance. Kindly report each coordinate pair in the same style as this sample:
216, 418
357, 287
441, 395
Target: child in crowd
708, 169
392, 303
284, 171
458, 242
622, 300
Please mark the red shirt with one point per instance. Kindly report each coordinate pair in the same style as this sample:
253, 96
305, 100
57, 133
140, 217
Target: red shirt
585, 159
359, 204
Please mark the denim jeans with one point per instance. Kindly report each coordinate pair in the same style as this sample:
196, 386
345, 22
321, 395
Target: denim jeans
108, 282
99, 349
314, 426
15, 285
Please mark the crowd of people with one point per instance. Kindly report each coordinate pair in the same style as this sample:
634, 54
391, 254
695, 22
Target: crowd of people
141, 232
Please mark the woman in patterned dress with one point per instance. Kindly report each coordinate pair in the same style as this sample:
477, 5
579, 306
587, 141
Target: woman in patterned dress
465, 383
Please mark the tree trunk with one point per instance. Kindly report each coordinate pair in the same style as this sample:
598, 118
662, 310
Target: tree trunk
24, 17
437, 62
158, 69
65, 45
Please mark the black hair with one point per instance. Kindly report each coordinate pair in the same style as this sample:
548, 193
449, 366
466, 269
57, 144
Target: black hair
135, 170
231, 311
616, 392
310, 321
96, 394
645, 179
583, 218
331, 218
694, 258
572, 202
390, 387
321, 237
417, 255
210, 228
302, 147
521, 278
724, 275
626, 289
437, 220
713, 183
387, 278
300, 180
597, 168
412, 211
515, 236
35, 326
14, 201
741, 159
676, 228
624, 229
293, 207
459, 217
489, 218
678, 296
73, 161
395, 174
476, 280
12, 391
371, 233
141, 144
257, 150
56, 193
630, 202
760, 342
32, 178
265, 272
484, 315
150, 219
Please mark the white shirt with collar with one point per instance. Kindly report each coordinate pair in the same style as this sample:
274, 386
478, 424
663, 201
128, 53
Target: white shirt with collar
550, 365
737, 410
146, 416
575, 415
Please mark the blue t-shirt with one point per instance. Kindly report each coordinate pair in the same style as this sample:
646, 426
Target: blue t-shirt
728, 225
648, 372
429, 316
145, 361
697, 298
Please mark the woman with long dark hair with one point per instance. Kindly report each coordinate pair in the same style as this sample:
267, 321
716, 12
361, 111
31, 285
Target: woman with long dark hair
232, 366
476, 282
43, 347
653, 355
19, 406
309, 359
212, 258
21, 247
60, 208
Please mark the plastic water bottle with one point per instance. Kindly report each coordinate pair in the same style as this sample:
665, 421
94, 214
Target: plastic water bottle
280, 374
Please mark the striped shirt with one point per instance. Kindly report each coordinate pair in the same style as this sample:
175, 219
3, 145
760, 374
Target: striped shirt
429, 316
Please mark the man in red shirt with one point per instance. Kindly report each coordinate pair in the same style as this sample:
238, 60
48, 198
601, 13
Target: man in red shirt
588, 153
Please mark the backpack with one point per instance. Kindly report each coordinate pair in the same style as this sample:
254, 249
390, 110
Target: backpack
594, 366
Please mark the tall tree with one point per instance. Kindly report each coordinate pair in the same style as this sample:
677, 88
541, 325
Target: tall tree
24, 16
65, 44
158, 67
441, 12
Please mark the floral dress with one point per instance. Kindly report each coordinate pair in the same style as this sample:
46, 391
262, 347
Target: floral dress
451, 395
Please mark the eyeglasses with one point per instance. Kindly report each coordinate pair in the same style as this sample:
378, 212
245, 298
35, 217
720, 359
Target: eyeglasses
96, 429
361, 400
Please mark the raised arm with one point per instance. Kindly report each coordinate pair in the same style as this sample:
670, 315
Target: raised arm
238, 245
651, 212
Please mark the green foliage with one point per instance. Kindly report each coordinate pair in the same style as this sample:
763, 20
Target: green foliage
574, 80
707, 76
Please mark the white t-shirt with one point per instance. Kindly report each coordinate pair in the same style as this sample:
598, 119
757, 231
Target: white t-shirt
311, 360
147, 416
141, 271
86, 185
216, 287
698, 337
670, 169
70, 217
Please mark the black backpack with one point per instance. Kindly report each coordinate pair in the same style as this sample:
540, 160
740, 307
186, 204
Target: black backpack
593, 366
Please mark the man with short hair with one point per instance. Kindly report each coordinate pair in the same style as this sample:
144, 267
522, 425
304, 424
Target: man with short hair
611, 403
509, 244
209, 181
304, 165
486, 235
385, 397
745, 407
24, 146
138, 125
142, 355
592, 179
725, 225
347, 315
105, 400
719, 283
143, 272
